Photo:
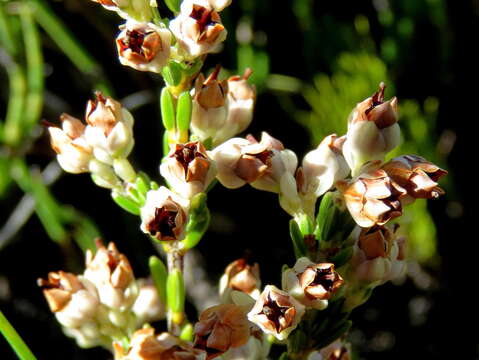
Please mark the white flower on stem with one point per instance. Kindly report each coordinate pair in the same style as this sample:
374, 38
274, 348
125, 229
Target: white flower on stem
110, 129
312, 284
164, 215
143, 46
111, 273
148, 306
276, 312
372, 130
73, 299
198, 28
73, 152
240, 276
188, 169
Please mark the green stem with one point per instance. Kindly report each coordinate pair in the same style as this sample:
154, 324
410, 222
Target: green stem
15, 341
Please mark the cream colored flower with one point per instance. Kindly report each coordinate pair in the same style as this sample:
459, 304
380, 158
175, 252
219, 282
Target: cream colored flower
73, 152
148, 306
188, 169
220, 328
144, 46
110, 129
198, 28
240, 276
372, 130
137, 9
312, 284
276, 312
111, 273
164, 215
372, 197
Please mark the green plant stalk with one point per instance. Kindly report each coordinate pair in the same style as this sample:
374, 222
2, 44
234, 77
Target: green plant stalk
6, 36
15, 341
175, 264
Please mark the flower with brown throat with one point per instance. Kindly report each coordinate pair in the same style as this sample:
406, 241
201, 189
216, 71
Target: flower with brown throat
164, 215
276, 312
188, 169
143, 46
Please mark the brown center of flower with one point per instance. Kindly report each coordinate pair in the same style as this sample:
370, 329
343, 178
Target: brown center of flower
134, 41
163, 223
185, 154
378, 98
274, 312
325, 278
203, 16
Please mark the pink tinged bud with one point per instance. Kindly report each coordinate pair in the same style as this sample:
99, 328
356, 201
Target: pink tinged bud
240, 276
198, 29
276, 312
220, 328
110, 129
322, 167
164, 215
417, 175
73, 152
144, 46
188, 169
209, 110
112, 275
372, 130
372, 198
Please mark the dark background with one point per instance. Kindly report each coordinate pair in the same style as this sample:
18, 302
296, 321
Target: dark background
407, 321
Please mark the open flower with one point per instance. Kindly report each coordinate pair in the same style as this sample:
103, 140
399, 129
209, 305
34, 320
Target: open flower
73, 152
372, 197
322, 167
312, 284
198, 28
416, 175
188, 169
109, 131
164, 215
240, 276
276, 312
143, 46
220, 328
73, 299
372, 130
111, 273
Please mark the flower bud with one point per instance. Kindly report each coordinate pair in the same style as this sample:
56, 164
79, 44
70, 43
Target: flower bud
110, 129
188, 169
143, 46
73, 152
322, 167
372, 197
148, 306
112, 275
220, 328
416, 175
261, 164
372, 130
209, 106
73, 299
240, 276
276, 312
198, 28
312, 284
164, 215
138, 9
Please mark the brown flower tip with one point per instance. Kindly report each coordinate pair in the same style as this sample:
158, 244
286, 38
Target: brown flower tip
417, 175
372, 198
221, 327
208, 24
382, 113
193, 159
58, 289
376, 241
320, 281
210, 93
242, 276
103, 112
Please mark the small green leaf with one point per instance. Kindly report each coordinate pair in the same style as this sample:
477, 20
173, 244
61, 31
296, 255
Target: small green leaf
324, 217
175, 291
167, 109
15, 341
342, 257
195, 229
142, 183
298, 239
166, 143
187, 332
173, 5
159, 274
126, 203
305, 224
183, 112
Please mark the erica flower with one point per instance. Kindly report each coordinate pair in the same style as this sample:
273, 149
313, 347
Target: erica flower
198, 28
372, 130
137, 9
109, 131
73, 152
164, 215
143, 46
240, 276
148, 306
276, 312
188, 169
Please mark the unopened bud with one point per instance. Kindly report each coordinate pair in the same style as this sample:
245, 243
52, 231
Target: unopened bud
137, 9
240, 276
